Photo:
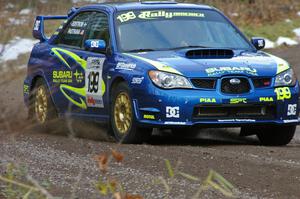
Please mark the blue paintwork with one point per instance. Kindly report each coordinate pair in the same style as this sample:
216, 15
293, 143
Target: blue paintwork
147, 98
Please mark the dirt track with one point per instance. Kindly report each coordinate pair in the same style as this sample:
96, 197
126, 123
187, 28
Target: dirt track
256, 171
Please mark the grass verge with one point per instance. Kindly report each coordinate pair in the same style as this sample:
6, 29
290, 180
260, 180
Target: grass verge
272, 31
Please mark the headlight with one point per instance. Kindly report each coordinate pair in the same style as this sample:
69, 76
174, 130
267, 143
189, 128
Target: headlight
286, 78
169, 80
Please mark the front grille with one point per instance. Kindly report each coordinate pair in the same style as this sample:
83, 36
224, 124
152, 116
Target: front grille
229, 88
237, 111
204, 83
262, 82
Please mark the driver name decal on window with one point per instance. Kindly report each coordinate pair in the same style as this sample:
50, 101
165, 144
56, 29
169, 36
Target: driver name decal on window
156, 14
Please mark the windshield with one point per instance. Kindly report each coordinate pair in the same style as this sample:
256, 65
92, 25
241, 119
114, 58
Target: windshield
170, 29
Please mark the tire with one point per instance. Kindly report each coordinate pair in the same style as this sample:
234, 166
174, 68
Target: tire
276, 135
42, 110
123, 121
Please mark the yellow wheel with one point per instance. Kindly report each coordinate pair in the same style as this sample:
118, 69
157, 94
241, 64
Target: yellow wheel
41, 108
41, 104
123, 113
123, 121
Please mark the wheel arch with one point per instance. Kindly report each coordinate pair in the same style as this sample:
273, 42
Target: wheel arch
117, 80
36, 77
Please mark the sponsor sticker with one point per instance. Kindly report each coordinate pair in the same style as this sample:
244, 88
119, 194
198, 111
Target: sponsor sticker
79, 77
168, 15
172, 112
26, 89
237, 120
292, 110
156, 14
266, 99
208, 100
229, 70
137, 80
94, 81
125, 66
149, 117
92, 102
62, 76
238, 101
175, 123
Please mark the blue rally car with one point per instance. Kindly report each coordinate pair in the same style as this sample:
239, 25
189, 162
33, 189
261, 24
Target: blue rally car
146, 65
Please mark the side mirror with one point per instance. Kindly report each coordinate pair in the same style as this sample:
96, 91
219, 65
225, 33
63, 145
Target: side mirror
95, 45
258, 43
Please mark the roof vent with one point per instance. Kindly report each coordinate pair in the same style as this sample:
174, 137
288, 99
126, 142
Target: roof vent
209, 54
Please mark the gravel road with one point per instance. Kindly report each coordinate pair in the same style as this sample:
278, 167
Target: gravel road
68, 162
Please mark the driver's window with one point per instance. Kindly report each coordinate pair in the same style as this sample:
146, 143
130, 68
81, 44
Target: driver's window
99, 28
74, 33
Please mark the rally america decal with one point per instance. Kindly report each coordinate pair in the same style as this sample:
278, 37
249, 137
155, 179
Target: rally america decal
93, 76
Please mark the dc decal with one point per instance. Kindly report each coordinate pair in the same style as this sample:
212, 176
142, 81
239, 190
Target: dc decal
172, 112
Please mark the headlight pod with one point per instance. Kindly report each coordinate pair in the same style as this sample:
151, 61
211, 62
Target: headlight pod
169, 80
286, 78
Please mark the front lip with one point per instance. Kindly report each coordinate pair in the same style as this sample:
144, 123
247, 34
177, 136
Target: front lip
187, 100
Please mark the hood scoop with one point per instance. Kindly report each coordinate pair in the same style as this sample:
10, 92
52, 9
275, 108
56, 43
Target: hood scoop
210, 53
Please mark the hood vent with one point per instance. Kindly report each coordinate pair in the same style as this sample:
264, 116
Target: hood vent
209, 54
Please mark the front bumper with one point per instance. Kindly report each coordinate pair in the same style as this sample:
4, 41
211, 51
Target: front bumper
168, 108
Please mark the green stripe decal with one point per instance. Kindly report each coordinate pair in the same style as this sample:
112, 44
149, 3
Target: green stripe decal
282, 65
160, 66
80, 61
78, 91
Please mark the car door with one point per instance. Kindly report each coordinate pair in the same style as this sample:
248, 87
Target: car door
78, 73
97, 67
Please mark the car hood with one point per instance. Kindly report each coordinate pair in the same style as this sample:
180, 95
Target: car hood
240, 63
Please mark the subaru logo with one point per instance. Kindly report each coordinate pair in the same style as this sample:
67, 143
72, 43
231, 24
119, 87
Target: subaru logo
235, 81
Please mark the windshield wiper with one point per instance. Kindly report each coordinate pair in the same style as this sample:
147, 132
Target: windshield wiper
184, 47
141, 50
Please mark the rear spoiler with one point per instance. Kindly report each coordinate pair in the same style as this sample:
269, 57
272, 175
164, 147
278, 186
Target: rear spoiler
38, 29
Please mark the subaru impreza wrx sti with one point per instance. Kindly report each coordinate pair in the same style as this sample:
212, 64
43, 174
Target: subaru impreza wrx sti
146, 65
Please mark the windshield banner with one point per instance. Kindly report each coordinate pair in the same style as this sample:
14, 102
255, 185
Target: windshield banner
156, 14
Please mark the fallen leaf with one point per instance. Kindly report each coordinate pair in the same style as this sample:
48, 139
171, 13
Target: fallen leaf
119, 157
129, 196
102, 162
113, 185
117, 195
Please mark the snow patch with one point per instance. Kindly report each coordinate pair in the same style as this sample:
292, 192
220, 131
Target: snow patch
269, 44
286, 41
16, 47
9, 6
297, 32
14, 21
288, 21
234, 14
25, 11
